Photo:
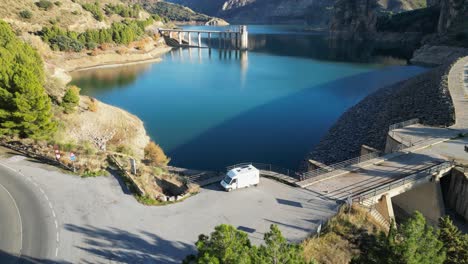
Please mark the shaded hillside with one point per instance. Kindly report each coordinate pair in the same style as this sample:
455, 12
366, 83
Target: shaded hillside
425, 97
313, 12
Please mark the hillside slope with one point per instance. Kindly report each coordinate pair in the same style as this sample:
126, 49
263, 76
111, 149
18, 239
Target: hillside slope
314, 12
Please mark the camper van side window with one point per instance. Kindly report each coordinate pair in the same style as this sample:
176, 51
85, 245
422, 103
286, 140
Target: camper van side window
234, 181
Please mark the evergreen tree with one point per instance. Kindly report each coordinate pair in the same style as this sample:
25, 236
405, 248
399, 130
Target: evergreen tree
71, 99
225, 245
414, 242
277, 250
25, 108
455, 243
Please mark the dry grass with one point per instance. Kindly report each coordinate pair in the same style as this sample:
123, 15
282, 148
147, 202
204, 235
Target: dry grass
339, 241
69, 14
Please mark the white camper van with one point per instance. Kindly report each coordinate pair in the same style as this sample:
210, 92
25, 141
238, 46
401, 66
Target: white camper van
241, 177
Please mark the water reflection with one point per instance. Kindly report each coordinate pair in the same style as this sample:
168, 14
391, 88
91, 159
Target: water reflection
111, 78
319, 46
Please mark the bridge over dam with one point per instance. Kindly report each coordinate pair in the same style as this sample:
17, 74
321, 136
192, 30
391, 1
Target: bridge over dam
234, 38
422, 168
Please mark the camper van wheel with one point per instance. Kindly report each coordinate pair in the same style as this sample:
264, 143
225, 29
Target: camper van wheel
255, 185
228, 189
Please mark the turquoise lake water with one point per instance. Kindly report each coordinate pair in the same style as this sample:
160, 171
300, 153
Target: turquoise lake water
272, 104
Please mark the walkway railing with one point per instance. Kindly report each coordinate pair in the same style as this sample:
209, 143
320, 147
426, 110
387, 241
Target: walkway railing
339, 165
403, 124
408, 179
268, 167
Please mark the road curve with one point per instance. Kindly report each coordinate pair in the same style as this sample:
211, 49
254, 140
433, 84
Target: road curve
26, 230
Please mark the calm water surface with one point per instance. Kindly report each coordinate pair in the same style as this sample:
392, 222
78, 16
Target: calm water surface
213, 108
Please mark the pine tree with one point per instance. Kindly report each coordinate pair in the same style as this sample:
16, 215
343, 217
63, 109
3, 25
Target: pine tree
25, 108
71, 99
414, 242
455, 243
277, 250
225, 245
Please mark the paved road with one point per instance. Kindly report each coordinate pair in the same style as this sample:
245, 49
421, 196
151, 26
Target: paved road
100, 223
26, 228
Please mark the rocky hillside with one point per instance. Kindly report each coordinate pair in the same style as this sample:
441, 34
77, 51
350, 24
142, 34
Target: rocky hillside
314, 12
30, 16
425, 96
177, 13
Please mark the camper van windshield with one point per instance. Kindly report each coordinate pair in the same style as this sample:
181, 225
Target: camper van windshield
227, 179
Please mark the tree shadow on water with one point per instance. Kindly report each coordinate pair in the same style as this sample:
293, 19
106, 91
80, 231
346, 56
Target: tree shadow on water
121, 246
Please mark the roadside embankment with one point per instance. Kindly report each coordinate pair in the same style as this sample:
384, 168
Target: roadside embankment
425, 96
429, 55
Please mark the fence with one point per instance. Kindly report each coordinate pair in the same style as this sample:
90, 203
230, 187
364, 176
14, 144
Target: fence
270, 168
403, 124
340, 165
408, 179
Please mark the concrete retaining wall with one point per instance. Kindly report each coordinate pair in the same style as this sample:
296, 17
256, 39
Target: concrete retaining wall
456, 196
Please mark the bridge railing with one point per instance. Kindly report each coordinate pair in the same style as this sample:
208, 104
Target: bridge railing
408, 179
268, 167
340, 165
403, 124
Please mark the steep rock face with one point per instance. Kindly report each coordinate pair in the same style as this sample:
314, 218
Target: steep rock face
356, 16
450, 11
315, 12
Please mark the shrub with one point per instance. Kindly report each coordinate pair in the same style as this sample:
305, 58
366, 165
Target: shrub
64, 43
91, 45
58, 3
122, 10
26, 14
71, 99
155, 155
44, 4
124, 150
95, 10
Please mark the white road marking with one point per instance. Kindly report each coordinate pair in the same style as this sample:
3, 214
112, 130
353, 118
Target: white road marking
45, 196
19, 215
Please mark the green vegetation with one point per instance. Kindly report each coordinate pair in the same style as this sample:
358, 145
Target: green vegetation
423, 20
44, 4
94, 9
88, 174
123, 11
120, 33
26, 14
65, 43
176, 12
413, 242
229, 245
455, 243
25, 108
71, 99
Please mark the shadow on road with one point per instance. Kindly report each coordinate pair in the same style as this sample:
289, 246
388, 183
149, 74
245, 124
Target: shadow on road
124, 247
7, 258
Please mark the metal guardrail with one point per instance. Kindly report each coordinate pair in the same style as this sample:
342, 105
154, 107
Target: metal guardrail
340, 165
268, 167
408, 179
403, 124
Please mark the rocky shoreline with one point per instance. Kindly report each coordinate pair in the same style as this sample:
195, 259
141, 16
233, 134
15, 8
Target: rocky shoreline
425, 96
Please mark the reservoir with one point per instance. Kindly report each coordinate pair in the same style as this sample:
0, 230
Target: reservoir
210, 108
